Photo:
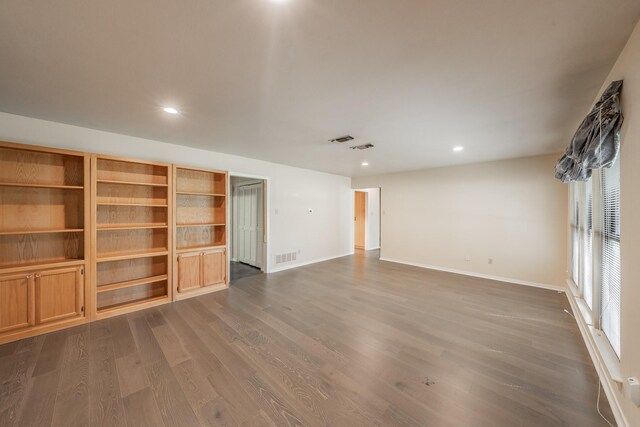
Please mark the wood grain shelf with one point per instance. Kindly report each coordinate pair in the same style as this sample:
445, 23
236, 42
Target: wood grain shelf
52, 186
132, 283
112, 227
117, 256
146, 184
208, 224
51, 231
195, 193
131, 304
185, 249
44, 209
41, 264
132, 227
153, 205
200, 226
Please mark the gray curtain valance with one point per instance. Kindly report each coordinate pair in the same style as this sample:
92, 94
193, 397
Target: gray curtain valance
596, 142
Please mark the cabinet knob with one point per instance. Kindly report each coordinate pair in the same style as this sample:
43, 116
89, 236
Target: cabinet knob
28, 276
37, 275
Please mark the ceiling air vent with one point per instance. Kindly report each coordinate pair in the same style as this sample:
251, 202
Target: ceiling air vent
342, 139
362, 147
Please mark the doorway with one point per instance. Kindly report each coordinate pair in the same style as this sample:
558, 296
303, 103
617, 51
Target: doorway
360, 219
367, 220
248, 229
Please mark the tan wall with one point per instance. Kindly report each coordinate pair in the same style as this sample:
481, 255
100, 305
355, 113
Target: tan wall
512, 211
628, 68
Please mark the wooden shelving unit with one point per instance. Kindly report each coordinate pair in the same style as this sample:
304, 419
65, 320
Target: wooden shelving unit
87, 236
132, 234
200, 230
44, 238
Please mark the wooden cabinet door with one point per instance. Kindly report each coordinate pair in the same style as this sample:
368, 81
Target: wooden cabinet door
16, 301
189, 272
214, 267
59, 294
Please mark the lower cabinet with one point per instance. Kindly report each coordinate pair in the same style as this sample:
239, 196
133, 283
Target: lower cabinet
16, 301
199, 270
214, 267
59, 294
32, 299
189, 272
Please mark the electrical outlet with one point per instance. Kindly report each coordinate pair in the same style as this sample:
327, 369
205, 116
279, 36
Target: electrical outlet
633, 390
467, 258
490, 261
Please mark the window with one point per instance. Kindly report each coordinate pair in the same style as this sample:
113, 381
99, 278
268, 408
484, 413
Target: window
610, 273
574, 215
595, 248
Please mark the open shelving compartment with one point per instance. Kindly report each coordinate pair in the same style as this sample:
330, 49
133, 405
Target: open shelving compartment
42, 210
132, 234
44, 238
201, 209
200, 231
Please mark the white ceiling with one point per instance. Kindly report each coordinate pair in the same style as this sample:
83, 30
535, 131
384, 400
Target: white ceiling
275, 81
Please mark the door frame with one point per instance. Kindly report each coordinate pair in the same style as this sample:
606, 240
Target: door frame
266, 223
237, 201
366, 217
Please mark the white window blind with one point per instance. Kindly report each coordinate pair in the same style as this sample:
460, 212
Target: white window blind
610, 270
595, 248
574, 208
586, 242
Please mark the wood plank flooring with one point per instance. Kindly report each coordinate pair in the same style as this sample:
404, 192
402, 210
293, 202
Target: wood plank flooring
349, 342
239, 271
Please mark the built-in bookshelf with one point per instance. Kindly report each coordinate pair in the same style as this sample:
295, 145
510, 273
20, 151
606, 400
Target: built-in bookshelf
133, 234
88, 236
44, 212
200, 201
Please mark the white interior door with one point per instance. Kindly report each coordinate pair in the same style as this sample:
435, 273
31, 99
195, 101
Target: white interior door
249, 226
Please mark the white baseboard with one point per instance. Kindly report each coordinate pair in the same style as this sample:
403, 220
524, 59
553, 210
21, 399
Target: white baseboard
479, 275
302, 264
598, 362
372, 249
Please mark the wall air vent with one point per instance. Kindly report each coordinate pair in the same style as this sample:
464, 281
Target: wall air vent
282, 258
342, 139
362, 147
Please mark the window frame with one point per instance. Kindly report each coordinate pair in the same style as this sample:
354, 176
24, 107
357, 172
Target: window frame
591, 315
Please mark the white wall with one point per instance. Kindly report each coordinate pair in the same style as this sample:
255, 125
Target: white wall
512, 211
627, 68
323, 234
372, 224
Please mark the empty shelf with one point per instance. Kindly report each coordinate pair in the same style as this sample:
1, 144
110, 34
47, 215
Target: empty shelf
117, 256
107, 227
131, 283
147, 184
44, 231
54, 186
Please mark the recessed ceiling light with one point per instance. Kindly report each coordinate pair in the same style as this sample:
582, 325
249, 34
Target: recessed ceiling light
458, 148
365, 163
170, 110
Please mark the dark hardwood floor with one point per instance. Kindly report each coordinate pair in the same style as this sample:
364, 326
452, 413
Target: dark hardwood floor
349, 342
239, 271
